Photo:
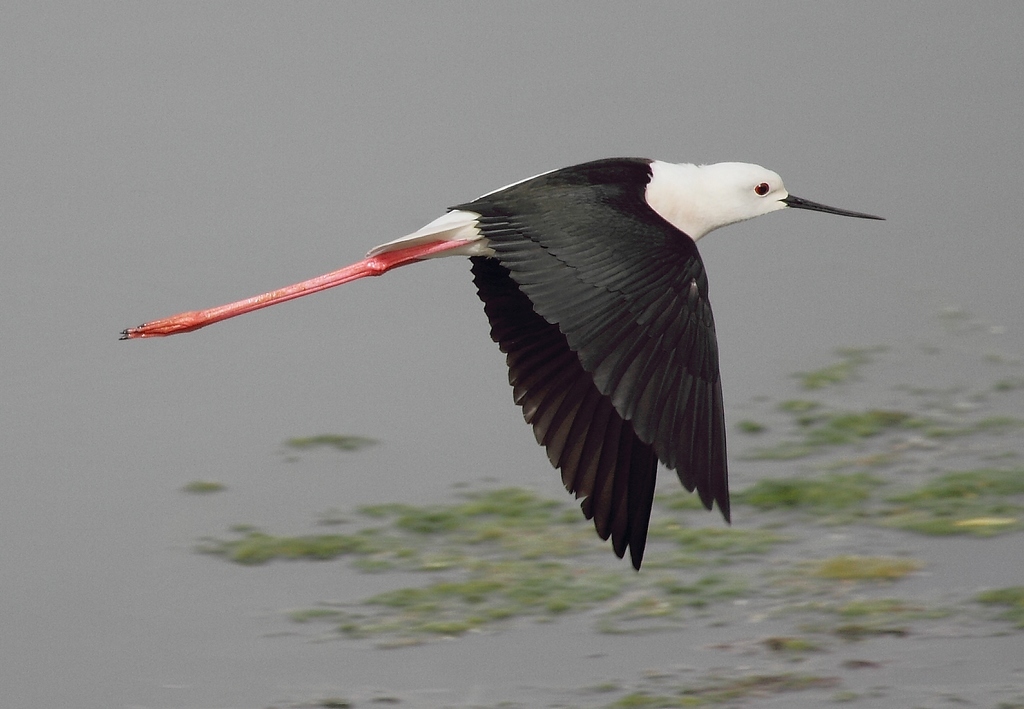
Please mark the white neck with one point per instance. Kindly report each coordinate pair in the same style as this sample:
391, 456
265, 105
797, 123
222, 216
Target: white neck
697, 199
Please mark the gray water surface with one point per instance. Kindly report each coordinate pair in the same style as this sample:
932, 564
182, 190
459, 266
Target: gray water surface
159, 157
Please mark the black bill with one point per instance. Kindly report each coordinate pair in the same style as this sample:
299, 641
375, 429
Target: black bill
798, 203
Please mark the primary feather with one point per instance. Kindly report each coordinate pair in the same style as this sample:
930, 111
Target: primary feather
601, 308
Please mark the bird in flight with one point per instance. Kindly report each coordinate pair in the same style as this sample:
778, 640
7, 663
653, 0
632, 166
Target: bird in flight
596, 293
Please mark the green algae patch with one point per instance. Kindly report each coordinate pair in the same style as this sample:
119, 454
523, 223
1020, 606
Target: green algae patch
862, 618
486, 593
843, 428
660, 606
492, 556
817, 427
982, 502
862, 631
480, 516
504, 554
820, 429
726, 690
799, 406
864, 568
203, 487
489, 592
334, 703
823, 495
330, 440
510, 521
751, 427
791, 645
256, 547
865, 618
888, 608
1009, 384
713, 545
706, 590
970, 484
851, 359
945, 522
418, 520
990, 424
1011, 598
432, 537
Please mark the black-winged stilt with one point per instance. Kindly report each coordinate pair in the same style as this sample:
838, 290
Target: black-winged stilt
595, 291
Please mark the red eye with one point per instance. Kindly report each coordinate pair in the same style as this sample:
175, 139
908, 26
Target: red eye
762, 189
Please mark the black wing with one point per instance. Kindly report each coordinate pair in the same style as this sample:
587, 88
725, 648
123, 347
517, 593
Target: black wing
602, 308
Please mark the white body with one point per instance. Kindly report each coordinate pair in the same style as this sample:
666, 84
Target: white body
696, 199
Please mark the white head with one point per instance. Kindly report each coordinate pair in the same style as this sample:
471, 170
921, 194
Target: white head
697, 199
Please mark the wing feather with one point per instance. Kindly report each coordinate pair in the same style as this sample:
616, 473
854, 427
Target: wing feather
600, 456
582, 265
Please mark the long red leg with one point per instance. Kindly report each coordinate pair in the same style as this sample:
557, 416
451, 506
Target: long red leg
372, 266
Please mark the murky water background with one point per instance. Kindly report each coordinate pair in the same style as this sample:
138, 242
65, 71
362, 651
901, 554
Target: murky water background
161, 157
